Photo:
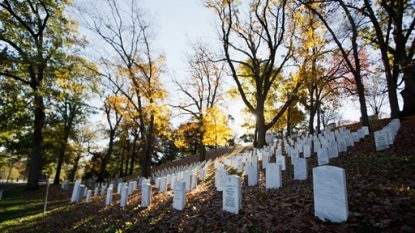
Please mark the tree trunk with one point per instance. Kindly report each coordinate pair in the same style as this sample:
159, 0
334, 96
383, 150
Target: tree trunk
74, 169
362, 101
121, 165
36, 156
289, 121
202, 149
318, 117
145, 163
58, 169
408, 94
105, 160
261, 130
392, 96
133, 153
10, 172
311, 119
202, 152
61, 155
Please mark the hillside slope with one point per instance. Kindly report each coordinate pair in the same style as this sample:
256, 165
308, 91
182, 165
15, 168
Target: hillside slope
380, 185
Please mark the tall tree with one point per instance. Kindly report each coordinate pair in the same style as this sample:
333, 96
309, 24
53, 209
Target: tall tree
317, 73
202, 90
392, 32
73, 89
346, 36
259, 43
123, 27
33, 34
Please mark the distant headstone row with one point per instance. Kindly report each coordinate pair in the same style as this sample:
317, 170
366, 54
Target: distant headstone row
181, 179
385, 137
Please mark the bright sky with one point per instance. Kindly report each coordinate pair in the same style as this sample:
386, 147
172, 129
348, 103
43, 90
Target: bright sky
177, 23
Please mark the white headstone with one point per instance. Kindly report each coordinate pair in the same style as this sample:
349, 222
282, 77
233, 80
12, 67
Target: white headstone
333, 150
330, 193
81, 191
300, 169
202, 174
381, 140
188, 180
220, 175
124, 196
146, 194
75, 191
342, 145
193, 181
157, 182
119, 187
252, 172
96, 191
306, 151
88, 196
130, 188
179, 197
294, 155
232, 198
103, 188
109, 196
322, 156
163, 184
240, 166
273, 177
281, 162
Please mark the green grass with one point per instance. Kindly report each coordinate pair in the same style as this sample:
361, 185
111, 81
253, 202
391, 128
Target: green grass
18, 206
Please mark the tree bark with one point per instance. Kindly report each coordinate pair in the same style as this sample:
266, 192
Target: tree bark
408, 93
261, 129
36, 156
75, 168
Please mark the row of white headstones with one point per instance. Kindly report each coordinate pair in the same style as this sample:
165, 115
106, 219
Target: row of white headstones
385, 137
185, 176
329, 182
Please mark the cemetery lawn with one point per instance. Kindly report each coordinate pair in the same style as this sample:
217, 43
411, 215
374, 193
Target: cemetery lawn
380, 188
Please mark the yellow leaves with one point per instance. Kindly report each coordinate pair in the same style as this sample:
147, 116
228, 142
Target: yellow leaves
215, 128
186, 134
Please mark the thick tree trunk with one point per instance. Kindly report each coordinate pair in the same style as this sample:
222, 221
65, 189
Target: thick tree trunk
133, 155
105, 160
74, 169
202, 149
61, 155
36, 156
261, 130
289, 121
147, 152
362, 101
311, 119
145, 163
58, 169
393, 97
202, 152
408, 94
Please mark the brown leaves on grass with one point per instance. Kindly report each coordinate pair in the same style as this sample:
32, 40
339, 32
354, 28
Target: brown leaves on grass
381, 195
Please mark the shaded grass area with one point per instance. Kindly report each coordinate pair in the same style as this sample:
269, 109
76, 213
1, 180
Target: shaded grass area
19, 207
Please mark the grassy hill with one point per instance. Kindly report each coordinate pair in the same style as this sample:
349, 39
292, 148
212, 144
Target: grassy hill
380, 185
